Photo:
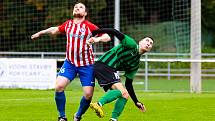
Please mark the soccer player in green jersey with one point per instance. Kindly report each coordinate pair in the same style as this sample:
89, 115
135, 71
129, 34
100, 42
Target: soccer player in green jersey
123, 57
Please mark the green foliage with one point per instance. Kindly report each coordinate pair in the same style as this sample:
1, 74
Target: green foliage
208, 11
208, 25
22, 18
169, 37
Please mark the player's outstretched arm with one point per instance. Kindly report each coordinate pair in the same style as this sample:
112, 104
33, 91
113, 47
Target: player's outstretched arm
103, 38
130, 89
111, 31
50, 31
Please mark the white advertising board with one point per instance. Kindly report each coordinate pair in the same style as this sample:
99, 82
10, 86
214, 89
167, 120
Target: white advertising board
28, 73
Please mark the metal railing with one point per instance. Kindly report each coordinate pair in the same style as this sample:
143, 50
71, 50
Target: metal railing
168, 71
146, 58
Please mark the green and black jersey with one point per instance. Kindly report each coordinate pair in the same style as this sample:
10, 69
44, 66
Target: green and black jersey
123, 57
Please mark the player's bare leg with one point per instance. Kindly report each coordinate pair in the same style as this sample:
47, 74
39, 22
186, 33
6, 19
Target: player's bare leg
85, 102
60, 98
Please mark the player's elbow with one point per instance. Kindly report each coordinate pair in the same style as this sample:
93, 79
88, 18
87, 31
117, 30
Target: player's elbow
106, 38
54, 31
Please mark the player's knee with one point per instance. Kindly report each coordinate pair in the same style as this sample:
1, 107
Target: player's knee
88, 96
61, 83
125, 94
88, 92
59, 87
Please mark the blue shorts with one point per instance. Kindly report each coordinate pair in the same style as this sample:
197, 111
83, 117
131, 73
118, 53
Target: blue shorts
85, 73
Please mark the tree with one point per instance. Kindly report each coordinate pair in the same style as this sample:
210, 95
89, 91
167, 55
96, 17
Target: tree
208, 24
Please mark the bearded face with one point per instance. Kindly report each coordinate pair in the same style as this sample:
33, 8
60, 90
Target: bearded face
79, 10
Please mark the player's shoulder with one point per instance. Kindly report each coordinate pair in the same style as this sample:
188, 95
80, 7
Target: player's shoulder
89, 23
127, 37
67, 21
129, 41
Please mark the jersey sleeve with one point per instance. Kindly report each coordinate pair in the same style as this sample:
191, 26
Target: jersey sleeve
129, 42
61, 27
130, 74
92, 26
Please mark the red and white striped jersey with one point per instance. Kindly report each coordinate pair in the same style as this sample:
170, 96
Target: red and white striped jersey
77, 51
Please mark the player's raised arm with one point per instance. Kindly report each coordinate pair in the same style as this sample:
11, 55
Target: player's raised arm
103, 38
111, 31
50, 31
130, 89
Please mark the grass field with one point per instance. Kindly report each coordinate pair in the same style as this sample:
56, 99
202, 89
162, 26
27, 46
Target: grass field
39, 105
162, 84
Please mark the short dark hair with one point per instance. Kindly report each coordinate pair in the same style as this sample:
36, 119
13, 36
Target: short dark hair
86, 8
148, 37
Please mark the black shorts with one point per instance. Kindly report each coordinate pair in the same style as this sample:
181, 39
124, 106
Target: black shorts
105, 75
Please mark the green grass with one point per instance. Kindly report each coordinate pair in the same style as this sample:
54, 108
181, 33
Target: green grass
39, 105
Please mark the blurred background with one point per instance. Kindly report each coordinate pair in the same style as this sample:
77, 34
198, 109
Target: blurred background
167, 21
181, 61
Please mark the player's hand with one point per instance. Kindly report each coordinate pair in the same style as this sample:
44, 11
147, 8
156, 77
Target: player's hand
92, 40
35, 36
141, 106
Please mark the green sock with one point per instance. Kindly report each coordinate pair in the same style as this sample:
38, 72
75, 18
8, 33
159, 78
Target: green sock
110, 96
119, 106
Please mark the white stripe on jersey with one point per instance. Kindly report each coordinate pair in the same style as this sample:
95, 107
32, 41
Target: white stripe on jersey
86, 48
76, 44
70, 44
67, 35
67, 30
91, 48
81, 45
77, 34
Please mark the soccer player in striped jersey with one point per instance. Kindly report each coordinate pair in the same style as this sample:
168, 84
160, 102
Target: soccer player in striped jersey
123, 57
79, 59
